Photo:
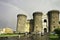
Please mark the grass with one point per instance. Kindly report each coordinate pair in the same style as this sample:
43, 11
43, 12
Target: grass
54, 37
10, 35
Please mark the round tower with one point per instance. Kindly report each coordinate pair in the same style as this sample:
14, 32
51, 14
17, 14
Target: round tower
21, 23
53, 18
37, 18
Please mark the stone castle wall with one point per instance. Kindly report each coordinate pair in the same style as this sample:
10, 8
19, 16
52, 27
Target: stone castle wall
36, 24
21, 23
53, 17
37, 18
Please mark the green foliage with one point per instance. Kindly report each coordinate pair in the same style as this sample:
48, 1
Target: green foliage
8, 35
53, 36
57, 31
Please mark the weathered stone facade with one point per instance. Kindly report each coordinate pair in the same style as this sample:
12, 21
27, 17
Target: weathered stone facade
53, 17
37, 17
21, 23
39, 23
44, 23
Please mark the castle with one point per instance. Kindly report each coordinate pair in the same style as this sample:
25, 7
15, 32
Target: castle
39, 23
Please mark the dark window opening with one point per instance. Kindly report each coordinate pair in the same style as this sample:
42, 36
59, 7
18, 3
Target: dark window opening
59, 22
54, 26
45, 30
45, 20
53, 21
36, 27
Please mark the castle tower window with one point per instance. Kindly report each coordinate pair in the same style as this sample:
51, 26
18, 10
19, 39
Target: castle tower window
45, 20
59, 22
54, 26
53, 21
45, 30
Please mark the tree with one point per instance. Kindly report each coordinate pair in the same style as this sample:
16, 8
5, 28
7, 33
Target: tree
57, 31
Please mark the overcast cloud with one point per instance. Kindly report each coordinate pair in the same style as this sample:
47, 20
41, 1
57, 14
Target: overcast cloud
10, 8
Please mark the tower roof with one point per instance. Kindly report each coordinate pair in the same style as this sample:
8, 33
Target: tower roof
53, 11
37, 13
49, 12
21, 15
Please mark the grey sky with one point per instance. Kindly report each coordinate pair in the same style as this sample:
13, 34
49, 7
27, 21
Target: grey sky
10, 8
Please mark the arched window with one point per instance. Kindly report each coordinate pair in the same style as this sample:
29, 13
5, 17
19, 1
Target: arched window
45, 30
45, 20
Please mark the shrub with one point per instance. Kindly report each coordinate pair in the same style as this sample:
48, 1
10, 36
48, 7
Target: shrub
57, 31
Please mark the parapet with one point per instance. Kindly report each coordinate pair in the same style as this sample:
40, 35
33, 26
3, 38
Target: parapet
53, 11
21, 15
37, 13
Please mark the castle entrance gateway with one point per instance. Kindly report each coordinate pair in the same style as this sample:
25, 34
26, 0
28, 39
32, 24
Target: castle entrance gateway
45, 30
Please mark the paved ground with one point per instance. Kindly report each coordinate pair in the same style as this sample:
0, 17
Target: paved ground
45, 37
35, 37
